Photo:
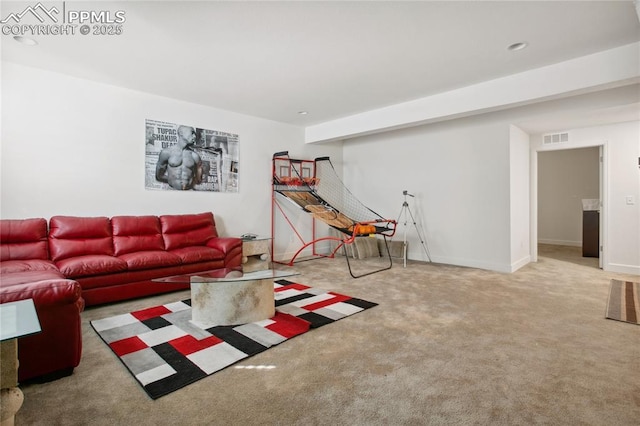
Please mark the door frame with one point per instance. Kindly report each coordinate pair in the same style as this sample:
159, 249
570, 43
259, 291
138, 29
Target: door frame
604, 196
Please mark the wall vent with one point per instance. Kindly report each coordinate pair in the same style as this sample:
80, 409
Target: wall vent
555, 138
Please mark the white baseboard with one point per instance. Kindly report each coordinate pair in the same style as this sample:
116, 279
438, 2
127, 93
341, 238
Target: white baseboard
520, 263
323, 248
623, 269
497, 267
560, 242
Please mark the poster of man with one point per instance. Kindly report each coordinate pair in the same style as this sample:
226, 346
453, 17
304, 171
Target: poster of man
187, 158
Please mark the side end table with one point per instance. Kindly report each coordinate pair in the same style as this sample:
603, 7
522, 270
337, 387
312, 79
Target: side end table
256, 254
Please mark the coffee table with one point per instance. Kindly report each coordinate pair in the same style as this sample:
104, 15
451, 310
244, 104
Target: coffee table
230, 296
17, 319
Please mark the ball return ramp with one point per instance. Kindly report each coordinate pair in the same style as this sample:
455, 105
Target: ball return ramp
315, 187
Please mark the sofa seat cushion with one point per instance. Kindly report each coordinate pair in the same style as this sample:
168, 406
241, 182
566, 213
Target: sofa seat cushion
93, 264
149, 259
25, 277
197, 254
12, 266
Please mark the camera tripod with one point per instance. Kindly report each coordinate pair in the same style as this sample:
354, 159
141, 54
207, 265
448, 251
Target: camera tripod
405, 213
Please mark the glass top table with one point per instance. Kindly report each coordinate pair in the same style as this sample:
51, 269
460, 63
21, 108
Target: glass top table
230, 296
18, 319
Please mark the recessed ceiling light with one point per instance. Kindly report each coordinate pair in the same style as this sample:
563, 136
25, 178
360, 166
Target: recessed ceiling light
25, 40
303, 112
518, 46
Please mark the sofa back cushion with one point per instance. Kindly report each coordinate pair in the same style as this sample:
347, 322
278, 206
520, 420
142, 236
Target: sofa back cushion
22, 239
187, 230
71, 236
136, 233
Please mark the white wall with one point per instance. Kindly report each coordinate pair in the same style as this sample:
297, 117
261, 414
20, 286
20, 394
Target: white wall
621, 144
519, 197
565, 177
75, 147
459, 172
470, 177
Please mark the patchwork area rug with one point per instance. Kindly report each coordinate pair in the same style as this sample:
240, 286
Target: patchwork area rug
164, 351
624, 301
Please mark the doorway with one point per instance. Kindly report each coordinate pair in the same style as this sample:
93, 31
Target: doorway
563, 178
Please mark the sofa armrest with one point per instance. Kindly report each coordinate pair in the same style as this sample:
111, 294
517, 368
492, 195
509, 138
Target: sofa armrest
45, 293
225, 244
57, 349
231, 247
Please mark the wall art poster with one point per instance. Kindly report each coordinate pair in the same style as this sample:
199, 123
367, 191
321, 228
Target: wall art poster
187, 158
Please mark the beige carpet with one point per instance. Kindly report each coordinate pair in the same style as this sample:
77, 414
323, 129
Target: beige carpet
446, 346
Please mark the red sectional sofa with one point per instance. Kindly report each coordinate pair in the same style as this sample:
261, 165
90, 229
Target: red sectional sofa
78, 261
26, 272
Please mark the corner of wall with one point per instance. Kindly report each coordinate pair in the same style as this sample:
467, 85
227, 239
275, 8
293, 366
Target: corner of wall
520, 263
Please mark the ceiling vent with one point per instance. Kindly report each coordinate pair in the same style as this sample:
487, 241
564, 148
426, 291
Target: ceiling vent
555, 138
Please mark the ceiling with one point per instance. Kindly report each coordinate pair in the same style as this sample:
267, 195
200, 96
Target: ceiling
332, 59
